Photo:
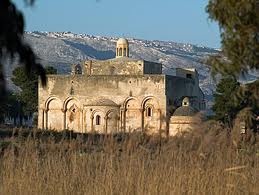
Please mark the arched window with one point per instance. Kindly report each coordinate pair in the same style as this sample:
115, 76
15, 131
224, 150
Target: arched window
120, 52
98, 120
149, 112
78, 69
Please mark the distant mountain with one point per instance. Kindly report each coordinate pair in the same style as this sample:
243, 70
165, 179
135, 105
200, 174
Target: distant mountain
61, 49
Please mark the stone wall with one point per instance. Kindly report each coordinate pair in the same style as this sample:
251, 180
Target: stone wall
152, 68
183, 124
103, 103
121, 66
179, 87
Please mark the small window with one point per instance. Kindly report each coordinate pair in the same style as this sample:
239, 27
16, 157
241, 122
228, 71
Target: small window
189, 76
98, 120
78, 69
149, 112
125, 52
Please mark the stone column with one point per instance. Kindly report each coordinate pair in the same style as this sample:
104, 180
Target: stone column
92, 123
118, 124
160, 119
43, 119
141, 110
82, 120
64, 118
46, 118
106, 124
123, 120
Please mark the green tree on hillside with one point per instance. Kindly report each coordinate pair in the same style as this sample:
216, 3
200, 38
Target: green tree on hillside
247, 96
28, 97
225, 106
231, 97
10, 107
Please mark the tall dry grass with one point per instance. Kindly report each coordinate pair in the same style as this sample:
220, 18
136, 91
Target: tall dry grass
205, 162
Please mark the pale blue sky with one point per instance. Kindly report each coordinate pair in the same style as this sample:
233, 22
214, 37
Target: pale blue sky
175, 20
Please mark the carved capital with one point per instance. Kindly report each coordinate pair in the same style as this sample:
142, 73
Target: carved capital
123, 109
141, 110
63, 110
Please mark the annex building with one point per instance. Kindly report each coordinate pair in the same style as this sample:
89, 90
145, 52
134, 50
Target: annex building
119, 95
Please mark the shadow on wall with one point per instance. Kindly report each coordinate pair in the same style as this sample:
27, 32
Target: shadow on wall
92, 52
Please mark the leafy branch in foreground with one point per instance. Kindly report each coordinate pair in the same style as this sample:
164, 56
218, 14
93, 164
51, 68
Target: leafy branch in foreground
239, 25
239, 28
12, 44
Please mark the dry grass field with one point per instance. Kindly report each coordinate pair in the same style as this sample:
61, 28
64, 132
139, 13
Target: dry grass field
205, 162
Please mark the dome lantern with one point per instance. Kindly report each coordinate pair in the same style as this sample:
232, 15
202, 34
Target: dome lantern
122, 48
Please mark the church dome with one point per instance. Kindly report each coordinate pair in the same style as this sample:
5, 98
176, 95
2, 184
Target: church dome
122, 41
122, 48
185, 111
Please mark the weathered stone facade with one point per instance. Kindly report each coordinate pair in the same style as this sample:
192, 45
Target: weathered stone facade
117, 95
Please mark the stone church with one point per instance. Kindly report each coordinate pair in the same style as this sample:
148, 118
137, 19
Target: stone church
119, 95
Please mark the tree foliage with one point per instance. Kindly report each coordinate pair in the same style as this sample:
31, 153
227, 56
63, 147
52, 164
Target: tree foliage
239, 25
29, 88
9, 107
12, 44
225, 106
248, 96
231, 97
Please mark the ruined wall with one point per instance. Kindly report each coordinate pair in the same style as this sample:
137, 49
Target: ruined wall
125, 100
183, 124
117, 66
152, 68
121, 66
179, 87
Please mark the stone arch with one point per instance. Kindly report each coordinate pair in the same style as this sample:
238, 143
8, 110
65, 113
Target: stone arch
156, 103
78, 69
51, 98
120, 51
151, 114
67, 100
54, 115
72, 114
132, 117
112, 118
100, 127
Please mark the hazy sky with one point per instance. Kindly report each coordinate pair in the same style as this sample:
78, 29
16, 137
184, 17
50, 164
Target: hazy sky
175, 20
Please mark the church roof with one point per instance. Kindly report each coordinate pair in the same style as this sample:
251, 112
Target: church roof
125, 59
122, 41
185, 111
102, 102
